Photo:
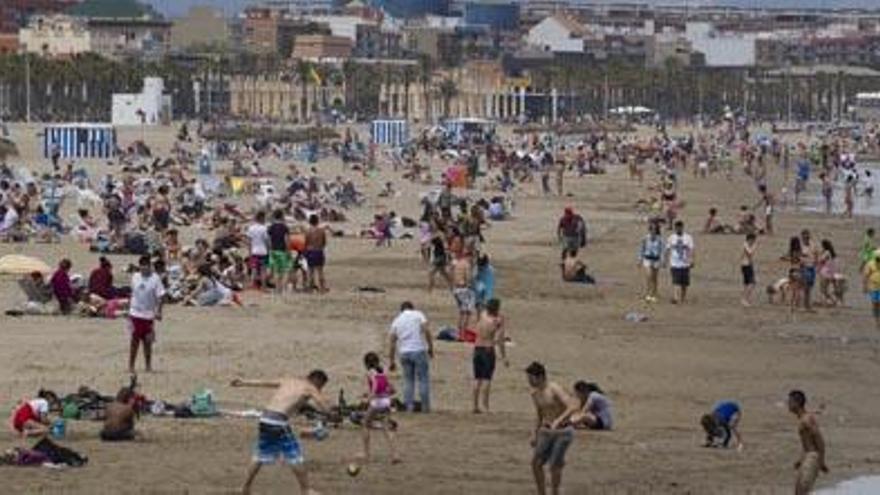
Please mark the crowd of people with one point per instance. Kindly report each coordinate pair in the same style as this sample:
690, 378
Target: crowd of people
281, 247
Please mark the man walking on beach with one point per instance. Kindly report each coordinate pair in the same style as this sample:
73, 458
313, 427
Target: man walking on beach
812, 460
276, 439
680, 257
871, 284
258, 236
145, 309
316, 243
553, 430
490, 334
465, 297
411, 340
571, 231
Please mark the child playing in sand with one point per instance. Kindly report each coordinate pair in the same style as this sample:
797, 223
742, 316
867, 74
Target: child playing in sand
722, 424
379, 396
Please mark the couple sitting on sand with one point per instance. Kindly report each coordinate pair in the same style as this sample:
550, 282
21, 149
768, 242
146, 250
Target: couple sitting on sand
30, 418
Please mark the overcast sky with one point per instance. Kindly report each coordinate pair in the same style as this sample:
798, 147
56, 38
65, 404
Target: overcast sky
231, 7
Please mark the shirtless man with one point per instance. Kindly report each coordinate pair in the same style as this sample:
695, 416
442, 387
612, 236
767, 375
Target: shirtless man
490, 334
120, 417
464, 295
809, 258
768, 202
813, 457
316, 242
276, 439
553, 430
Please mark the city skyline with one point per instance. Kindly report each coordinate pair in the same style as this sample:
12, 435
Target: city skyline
176, 8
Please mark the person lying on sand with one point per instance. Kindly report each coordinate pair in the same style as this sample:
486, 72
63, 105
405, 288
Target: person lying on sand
276, 439
120, 418
721, 424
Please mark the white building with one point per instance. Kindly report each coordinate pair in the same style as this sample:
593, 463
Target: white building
149, 107
558, 34
55, 36
721, 49
341, 25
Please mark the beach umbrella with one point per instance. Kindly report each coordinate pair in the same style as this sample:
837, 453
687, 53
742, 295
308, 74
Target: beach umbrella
16, 264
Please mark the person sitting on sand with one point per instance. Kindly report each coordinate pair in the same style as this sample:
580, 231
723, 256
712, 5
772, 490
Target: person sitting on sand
30, 418
120, 418
714, 226
595, 412
38, 293
722, 424
62, 288
574, 270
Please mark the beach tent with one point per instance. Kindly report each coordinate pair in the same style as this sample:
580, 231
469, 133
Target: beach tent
390, 132
16, 264
459, 129
80, 140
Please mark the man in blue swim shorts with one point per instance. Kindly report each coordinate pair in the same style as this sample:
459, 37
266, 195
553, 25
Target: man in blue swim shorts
276, 440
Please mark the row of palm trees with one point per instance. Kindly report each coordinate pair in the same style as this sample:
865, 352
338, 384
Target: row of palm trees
80, 88
676, 91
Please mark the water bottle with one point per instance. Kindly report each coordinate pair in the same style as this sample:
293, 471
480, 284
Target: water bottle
341, 402
320, 431
58, 428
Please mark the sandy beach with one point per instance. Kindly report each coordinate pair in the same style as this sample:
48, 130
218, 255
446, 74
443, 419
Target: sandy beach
661, 374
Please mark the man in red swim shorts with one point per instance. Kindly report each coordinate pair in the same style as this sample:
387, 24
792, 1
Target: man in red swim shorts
147, 293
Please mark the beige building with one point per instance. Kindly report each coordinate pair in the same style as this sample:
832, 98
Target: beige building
55, 36
481, 90
118, 37
201, 27
319, 47
280, 97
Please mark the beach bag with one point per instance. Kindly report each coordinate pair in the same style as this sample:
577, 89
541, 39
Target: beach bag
202, 404
70, 410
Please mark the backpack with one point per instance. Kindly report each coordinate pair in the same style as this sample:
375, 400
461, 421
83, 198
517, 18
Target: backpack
202, 403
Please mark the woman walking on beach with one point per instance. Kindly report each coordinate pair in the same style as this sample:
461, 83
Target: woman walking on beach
650, 259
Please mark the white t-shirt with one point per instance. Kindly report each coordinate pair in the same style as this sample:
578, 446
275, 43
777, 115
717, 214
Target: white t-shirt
40, 407
681, 249
9, 220
146, 294
408, 329
259, 237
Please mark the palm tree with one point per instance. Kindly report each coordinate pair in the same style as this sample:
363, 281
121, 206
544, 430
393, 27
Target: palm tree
448, 90
304, 70
426, 73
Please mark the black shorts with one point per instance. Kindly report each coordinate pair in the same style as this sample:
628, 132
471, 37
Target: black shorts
681, 276
748, 272
484, 363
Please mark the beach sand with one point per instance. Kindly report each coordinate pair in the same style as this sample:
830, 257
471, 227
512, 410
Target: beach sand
661, 374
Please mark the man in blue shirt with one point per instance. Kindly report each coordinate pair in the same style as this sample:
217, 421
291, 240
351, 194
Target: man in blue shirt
484, 281
722, 424
803, 175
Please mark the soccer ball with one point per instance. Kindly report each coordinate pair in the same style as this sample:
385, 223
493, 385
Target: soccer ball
353, 469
